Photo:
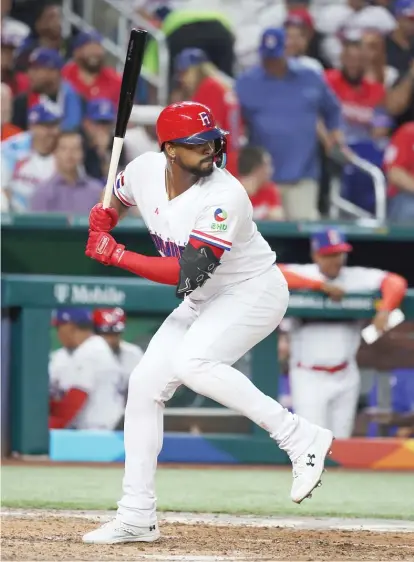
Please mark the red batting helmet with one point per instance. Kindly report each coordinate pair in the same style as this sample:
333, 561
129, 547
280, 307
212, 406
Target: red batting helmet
109, 320
189, 122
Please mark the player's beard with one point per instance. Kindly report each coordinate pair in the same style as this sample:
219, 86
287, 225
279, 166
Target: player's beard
197, 171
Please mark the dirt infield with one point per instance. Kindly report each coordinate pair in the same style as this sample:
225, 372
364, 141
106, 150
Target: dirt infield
53, 537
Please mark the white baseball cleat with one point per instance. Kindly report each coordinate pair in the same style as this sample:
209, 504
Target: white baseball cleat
308, 468
116, 532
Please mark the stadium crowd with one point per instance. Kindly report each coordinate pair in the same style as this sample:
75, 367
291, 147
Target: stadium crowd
311, 92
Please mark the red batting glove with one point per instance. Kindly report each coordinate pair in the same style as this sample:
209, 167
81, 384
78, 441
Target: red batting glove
102, 220
102, 247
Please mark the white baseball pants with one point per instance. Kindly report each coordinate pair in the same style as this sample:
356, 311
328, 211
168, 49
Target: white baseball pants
196, 346
327, 399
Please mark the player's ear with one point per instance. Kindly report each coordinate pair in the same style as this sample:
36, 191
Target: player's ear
169, 150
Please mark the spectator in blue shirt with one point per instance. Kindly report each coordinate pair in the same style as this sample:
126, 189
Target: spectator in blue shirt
282, 101
46, 82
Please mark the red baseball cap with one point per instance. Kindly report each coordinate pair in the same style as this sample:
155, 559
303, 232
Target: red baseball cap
301, 17
109, 320
187, 122
191, 123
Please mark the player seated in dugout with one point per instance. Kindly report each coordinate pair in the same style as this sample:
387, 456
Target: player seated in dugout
88, 384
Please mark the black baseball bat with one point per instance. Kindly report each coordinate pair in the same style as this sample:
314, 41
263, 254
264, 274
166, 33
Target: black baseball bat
132, 71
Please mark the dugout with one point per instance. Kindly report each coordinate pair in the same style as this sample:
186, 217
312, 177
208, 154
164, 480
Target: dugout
44, 266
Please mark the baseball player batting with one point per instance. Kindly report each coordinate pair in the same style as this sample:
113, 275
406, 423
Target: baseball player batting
233, 295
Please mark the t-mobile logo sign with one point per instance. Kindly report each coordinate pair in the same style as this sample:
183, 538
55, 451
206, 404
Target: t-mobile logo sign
205, 118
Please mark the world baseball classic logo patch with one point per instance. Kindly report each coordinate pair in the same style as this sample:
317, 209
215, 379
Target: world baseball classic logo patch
220, 215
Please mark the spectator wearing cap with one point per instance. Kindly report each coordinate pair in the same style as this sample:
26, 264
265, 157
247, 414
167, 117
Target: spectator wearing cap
110, 324
97, 127
374, 18
47, 33
70, 190
362, 101
333, 20
46, 83
29, 155
297, 28
200, 81
299, 17
255, 174
87, 382
400, 54
399, 167
323, 372
282, 102
11, 39
87, 73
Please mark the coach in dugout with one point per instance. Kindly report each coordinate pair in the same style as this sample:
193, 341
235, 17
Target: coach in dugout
87, 383
282, 101
323, 373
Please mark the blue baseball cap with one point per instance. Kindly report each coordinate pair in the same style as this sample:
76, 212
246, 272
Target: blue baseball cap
47, 58
329, 241
85, 37
100, 110
188, 58
404, 8
43, 113
74, 315
272, 45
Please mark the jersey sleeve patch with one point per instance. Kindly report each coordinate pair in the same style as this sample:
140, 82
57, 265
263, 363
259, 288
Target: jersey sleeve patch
213, 240
119, 190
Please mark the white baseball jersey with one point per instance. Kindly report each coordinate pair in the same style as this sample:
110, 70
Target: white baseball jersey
27, 176
59, 361
327, 344
95, 369
215, 209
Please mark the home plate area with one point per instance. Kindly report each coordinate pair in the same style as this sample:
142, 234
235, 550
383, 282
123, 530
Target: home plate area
46, 535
